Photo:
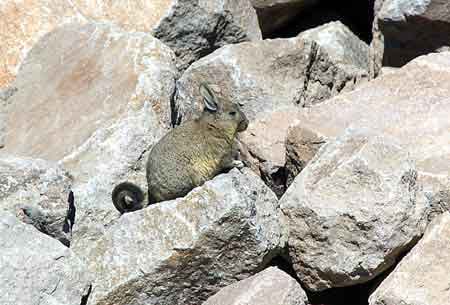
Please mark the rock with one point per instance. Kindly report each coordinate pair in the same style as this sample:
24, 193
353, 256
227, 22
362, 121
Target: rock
5, 94
410, 104
194, 29
408, 29
36, 269
343, 47
267, 75
104, 74
353, 210
184, 250
275, 14
23, 24
422, 276
271, 286
37, 192
302, 144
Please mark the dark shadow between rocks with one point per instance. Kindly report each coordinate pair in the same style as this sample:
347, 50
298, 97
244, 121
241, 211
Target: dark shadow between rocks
358, 15
418, 36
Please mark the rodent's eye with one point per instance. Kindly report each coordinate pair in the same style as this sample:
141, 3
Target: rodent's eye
233, 113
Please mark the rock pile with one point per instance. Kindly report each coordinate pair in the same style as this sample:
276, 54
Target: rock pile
346, 169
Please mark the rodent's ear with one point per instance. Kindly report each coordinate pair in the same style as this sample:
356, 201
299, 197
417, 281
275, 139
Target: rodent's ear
209, 98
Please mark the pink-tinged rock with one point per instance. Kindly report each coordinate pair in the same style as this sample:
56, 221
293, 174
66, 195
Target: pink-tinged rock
422, 277
269, 287
22, 24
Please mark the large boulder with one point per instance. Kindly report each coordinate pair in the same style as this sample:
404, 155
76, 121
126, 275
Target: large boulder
37, 191
276, 14
104, 74
36, 269
422, 277
271, 286
410, 104
23, 24
182, 251
108, 105
353, 210
404, 30
5, 94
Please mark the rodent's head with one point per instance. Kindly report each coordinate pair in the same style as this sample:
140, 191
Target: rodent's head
221, 113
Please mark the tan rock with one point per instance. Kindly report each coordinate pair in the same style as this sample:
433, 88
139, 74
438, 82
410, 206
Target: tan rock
410, 104
22, 24
80, 78
422, 277
271, 286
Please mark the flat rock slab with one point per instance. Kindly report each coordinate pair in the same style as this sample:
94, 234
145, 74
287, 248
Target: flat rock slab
271, 286
353, 210
422, 277
185, 250
36, 269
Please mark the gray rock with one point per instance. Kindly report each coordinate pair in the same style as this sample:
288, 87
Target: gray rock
183, 251
405, 29
353, 210
36, 269
5, 94
194, 29
265, 76
271, 286
342, 46
422, 277
275, 14
37, 192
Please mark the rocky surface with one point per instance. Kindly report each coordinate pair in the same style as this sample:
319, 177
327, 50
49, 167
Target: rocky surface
5, 94
37, 192
103, 73
407, 29
22, 24
184, 250
410, 104
422, 277
271, 286
276, 14
353, 210
267, 75
36, 269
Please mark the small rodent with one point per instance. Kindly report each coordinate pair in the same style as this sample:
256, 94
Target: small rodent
188, 155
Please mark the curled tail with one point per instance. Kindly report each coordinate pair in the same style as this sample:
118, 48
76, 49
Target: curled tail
127, 197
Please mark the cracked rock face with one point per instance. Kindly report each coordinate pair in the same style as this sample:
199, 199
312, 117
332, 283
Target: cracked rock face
271, 286
353, 210
37, 192
183, 251
422, 277
36, 269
